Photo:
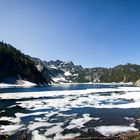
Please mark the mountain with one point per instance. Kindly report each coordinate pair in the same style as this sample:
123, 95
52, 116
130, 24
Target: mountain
122, 73
58, 71
66, 72
14, 66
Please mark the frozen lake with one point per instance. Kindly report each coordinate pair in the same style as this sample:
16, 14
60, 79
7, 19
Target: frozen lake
69, 111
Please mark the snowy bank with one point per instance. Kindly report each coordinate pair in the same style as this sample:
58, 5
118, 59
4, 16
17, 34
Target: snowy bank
19, 83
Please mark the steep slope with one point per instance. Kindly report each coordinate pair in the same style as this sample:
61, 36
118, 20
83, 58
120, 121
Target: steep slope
15, 65
57, 71
66, 72
63, 71
122, 73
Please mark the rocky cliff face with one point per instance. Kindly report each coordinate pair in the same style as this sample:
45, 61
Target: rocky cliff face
58, 71
66, 72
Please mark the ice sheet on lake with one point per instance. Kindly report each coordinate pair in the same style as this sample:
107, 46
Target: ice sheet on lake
68, 92
112, 130
76, 100
36, 125
37, 136
11, 119
10, 129
79, 122
121, 97
57, 129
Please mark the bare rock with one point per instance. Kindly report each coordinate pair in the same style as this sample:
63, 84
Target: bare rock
137, 83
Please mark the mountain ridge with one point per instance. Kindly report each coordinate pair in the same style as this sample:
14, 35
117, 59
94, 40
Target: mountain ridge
67, 72
16, 65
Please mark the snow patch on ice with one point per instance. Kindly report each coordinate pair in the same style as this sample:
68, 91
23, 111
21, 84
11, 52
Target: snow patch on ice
79, 123
35, 125
11, 119
129, 118
64, 137
112, 130
37, 136
10, 129
57, 129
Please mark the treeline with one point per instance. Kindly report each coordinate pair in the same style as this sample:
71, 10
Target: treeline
122, 73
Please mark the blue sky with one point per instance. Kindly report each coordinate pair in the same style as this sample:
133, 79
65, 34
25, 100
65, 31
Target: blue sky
88, 32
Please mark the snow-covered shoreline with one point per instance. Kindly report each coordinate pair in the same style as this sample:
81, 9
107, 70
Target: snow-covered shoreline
20, 83
27, 84
113, 83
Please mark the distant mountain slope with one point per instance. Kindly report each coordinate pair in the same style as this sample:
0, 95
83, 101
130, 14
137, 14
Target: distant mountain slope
64, 71
15, 65
125, 73
60, 71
